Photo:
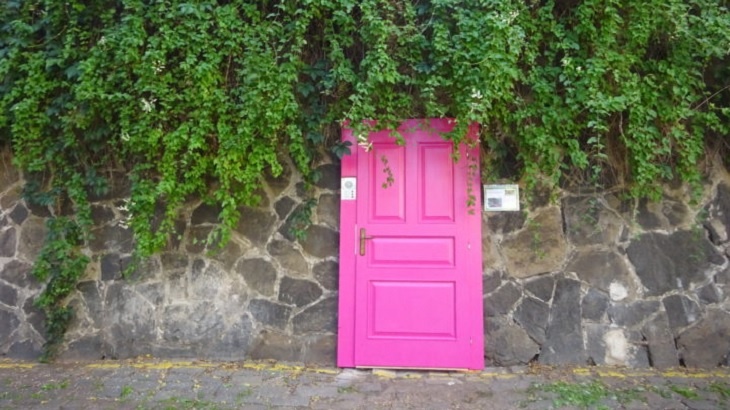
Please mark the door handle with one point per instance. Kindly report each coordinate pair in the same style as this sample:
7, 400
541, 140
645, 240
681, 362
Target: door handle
363, 238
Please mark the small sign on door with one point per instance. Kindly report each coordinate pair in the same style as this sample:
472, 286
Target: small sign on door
348, 189
502, 197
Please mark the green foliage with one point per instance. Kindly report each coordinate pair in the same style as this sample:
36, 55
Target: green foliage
201, 98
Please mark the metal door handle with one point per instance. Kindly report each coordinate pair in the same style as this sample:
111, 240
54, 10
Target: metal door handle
363, 237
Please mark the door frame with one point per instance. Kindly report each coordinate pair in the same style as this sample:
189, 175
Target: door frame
348, 253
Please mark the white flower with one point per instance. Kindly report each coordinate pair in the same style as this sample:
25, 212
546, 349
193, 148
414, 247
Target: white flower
125, 136
364, 143
148, 105
158, 66
102, 41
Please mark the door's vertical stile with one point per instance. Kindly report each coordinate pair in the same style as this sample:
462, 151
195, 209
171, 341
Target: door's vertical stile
347, 268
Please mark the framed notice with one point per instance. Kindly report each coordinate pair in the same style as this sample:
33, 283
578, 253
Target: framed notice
502, 197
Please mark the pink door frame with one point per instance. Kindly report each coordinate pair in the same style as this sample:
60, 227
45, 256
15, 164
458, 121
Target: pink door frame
349, 243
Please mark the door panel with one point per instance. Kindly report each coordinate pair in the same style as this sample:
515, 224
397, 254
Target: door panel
411, 289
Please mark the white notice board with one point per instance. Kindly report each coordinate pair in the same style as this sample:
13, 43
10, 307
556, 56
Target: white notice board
502, 197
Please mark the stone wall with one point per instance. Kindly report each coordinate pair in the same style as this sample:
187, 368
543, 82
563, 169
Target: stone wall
597, 279
591, 278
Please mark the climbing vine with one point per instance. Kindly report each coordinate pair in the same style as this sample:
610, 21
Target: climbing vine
202, 98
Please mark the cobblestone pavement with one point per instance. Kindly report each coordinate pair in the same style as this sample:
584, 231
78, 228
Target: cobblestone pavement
152, 384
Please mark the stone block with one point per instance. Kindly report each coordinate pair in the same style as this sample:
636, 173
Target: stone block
533, 314
19, 214
269, 313
542, 287
194, 324
681, 312
32, 237
206, 214
288, 257
564, 335
491, 280
18, 273
539, 247
710, 294
505, 222
229, 255
507, 344
660, 343
256, 225
669, 262
321, 350
233, 343
594, 305
298, 292
632, 314
259, 274
8, 295
173, 261
283, 206
600, 269
589, 221
320, 318
113, 266
34, 317
707, 343
328, 210
277, 184
25, 350
197, 238
321, 242
101, 214
501, 300
329, 176
9, 174
8, 323
8, 243
327, 274
110, 239
275, 345
85, 348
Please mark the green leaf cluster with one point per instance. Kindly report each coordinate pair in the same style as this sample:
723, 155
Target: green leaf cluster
202, 98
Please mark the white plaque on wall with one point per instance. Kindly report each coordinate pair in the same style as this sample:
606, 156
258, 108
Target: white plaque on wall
502, 197
348, 189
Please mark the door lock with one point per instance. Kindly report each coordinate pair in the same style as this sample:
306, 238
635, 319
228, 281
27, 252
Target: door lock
363, 238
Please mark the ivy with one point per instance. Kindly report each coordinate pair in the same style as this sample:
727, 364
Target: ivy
202, 98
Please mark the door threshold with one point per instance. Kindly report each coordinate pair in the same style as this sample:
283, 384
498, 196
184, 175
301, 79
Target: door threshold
430, 369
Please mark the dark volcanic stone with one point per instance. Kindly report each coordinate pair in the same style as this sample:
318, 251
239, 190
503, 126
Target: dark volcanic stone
541, 286
328, 210
101, 214
594, 305
18, 273
259, 274
321, 241
8, 295
533, 315
269, 313
707, 343
25, 350
19, 214
647, 219
320, 318
275, 345
8, 242
681, 311
283, 206
257, 225
710, 294
564, 337
633, 313
8, 322
330, 176
288, 256
206, 213
660, 342
599, 268
668, 262
501, 300
298, 292
506, 222
327, 274
507, 344
111, 238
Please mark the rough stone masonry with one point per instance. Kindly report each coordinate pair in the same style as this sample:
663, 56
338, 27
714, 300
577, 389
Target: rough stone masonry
590, 278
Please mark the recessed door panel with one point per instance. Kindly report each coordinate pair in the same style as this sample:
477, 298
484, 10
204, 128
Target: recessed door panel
415, 252
387, 196
436, 180
407, 310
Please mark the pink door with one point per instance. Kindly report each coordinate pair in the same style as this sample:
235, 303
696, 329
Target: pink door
410, 252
